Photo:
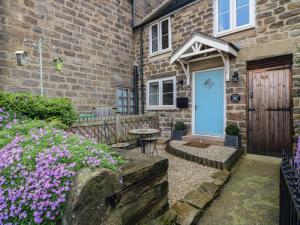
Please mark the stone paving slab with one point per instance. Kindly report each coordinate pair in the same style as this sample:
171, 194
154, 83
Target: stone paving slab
251, 197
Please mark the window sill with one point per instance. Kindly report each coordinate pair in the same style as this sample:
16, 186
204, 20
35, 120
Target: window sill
151, 55
234, 31
161, 108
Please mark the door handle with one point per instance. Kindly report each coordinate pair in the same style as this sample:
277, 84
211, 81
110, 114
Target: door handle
196, 107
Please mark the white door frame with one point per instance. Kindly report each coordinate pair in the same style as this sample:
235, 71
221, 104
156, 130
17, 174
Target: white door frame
194, 99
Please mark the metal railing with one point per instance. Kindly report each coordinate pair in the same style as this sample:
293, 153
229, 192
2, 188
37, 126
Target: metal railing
289, 190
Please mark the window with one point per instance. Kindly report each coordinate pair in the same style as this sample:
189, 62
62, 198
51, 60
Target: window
162, 93
233, 15
125, 101
160, 36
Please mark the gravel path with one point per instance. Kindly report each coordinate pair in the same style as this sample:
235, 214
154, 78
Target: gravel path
184, 176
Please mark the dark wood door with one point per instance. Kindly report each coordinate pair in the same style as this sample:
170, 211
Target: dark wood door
269, 110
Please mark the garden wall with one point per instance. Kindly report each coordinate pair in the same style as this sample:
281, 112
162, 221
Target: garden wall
138, 194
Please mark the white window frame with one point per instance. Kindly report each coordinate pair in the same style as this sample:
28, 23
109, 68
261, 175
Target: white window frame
232, 23
160, 94
159, 31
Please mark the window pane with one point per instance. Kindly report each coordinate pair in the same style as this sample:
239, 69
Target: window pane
120, 102
165, 27
242, 16
153, 88
240, 3
168, 92
155, 45
154, 93
224, 21
153, 99
154, 32
154, 41
119, 92
224, 6
125, 101
125, 92
165, 42
168, 99
165, 34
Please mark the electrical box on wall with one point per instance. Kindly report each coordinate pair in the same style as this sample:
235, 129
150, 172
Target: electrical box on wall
183, 102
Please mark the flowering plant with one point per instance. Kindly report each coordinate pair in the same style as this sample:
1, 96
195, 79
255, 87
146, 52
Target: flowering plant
297, 156
37, 165
6, 119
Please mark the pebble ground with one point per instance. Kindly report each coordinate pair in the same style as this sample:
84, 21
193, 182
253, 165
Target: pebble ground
184, 176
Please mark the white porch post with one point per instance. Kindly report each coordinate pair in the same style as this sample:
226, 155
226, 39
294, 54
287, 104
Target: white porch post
186, 69
226, 62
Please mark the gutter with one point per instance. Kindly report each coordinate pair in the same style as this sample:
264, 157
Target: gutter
148, 19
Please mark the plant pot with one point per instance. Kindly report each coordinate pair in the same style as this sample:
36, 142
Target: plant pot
232, 141
177, 134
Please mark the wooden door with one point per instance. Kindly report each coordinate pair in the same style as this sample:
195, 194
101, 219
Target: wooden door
269, 110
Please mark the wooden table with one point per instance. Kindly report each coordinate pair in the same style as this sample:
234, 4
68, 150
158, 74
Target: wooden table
143, 135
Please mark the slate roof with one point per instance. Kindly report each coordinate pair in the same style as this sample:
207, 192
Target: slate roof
165, 8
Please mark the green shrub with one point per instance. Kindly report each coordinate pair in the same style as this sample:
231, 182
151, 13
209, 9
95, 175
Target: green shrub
232, 129
179, 125
37, 107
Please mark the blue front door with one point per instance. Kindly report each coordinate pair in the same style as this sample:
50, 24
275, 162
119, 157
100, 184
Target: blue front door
209, 102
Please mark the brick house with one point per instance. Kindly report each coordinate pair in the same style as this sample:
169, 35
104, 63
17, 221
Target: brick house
232, 61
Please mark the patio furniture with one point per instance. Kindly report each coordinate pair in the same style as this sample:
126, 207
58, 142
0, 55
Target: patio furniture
146, 136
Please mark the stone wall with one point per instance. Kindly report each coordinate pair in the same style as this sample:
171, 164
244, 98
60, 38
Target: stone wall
277, 32
94, 38
138, 194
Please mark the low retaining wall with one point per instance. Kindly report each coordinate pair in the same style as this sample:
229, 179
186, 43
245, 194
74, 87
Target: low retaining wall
219, 159
138, 194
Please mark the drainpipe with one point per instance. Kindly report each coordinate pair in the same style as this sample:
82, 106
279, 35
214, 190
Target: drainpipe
133, 11
135, 89
142, 70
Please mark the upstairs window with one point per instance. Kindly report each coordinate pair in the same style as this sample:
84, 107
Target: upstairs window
162, 93
160, 36
233, 15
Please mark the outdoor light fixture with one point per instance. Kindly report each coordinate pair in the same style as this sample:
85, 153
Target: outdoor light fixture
235, 77
180, 82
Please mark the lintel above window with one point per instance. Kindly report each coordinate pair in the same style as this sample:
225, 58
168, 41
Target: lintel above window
160, 36
161, 93
233, 15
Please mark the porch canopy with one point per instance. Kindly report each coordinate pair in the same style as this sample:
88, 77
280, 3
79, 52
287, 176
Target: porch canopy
202, 47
